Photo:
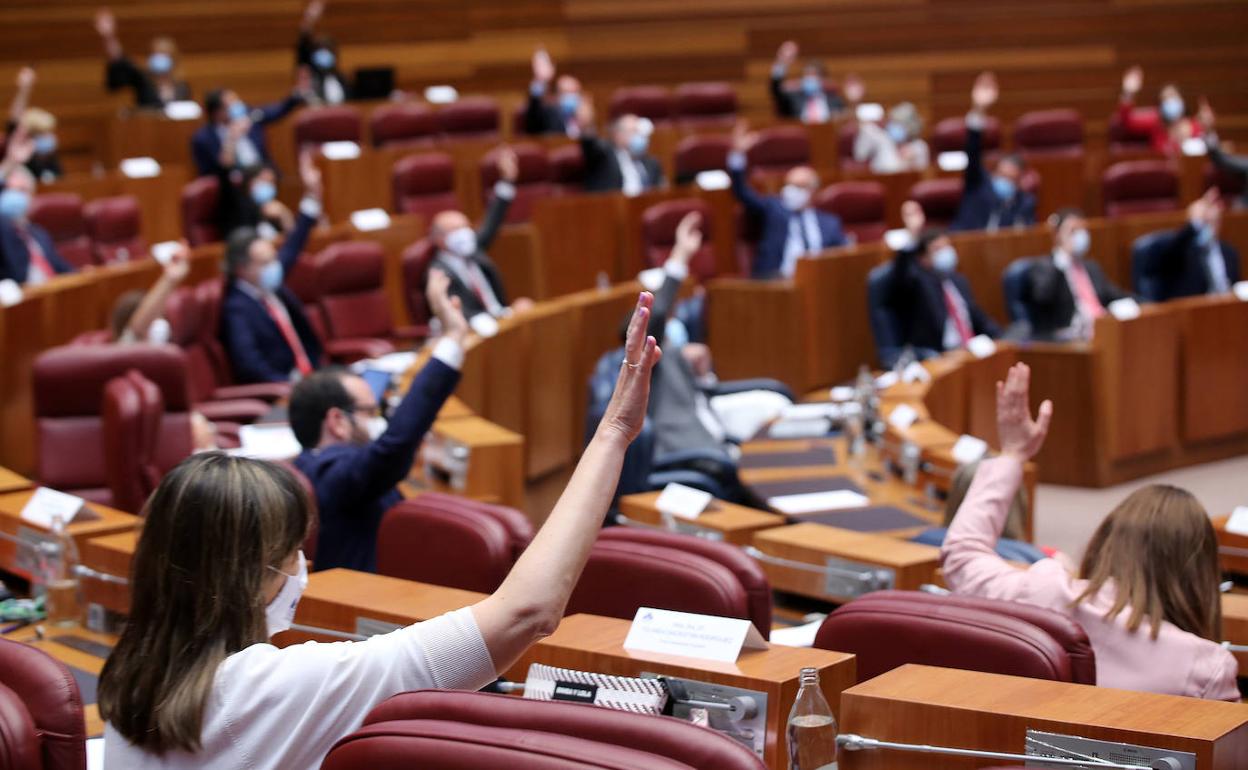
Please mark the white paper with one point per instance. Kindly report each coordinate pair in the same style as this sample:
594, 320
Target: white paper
969, 449
744, 414
898, 239
393, 363
484, 324
810, 411
713, 179
46, 503
140, 168
954, 160
267, 442
902, 416
797, 636
1125, 309
186, 109
441, 94
818, 501
95, 754
870, 112
340, 150
887, 380
795, 429
842, 393
652, 280
1237, 524
682, 502
10, 293
163, 252
707, 637
915, 372
981, 346
1194, 146
1240, 290
366, 220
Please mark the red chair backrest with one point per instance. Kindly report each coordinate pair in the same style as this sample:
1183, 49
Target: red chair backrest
1140, 186
61, 215
127, 446
116, 229
319, 125
939, 199
1229, 183
403, 124
846, 136
860, 205
19, 740
779, 149
416, 259
473, 117
51, 698
949, 135
1124, 141
705, 104
533, 184
701, 152
353, 299
424, 184
658, 235
567, 168
653, 102
201, 202
1049, 133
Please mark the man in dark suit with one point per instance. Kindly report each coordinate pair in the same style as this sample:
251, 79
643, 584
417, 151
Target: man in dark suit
620, 162
792, 228
233, 136
319, 55
932, 301
556, 113
474, 278
27, 253
353, 457
1193, 259
996, 200
264, 327
1066, 291
812, 101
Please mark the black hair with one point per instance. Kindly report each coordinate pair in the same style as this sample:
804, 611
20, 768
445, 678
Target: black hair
927, 237
238, 248
312, 399
213, 101
1060, 216
1015, 158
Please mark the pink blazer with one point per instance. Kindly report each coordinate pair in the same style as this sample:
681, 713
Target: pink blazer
1175, 663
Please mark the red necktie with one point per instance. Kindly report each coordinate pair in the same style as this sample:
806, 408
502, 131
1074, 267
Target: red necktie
37, 257
288, 331
954, 309
812, 113
1088, 300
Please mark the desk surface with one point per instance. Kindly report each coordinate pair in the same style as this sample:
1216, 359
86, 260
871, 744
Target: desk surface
13, 482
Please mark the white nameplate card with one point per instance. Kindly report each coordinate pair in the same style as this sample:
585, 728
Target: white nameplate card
1125, 309
870, 112
484, 324
140, 168
915, 372
1194, 147
186, 109
714, 179
441, 94
842, 393
10, 293
954, 160
163, 252
682, 502
366, 220
969, 449
707, 637
898, 238
1237, 524
981, 346
902, 416
45, 504
813, 502
340, 150
1240, 289
652, 280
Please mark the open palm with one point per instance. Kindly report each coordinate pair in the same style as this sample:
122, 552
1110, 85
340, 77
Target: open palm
627, 411
1020, 435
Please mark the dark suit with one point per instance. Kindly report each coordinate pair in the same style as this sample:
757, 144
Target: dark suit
304, 49
775, 218
542, 117
355, 484
258, 352
791, 102
1232, 164
15, 256
123, 73
1050, 303
470, 302
1178, 262
206, 143
602, 167
980, 202
916, 295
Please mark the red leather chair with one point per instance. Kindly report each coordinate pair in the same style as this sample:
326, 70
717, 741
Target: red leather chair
474, 117
1123, 141
208, 298
116, 229
630, 568
701, 152
1229, 184
453, 730
353, 296
846, 136
131, 414
68, 383
416, 259
61, 215
653, 102
201, 203
1049, 133
403, 125
949, 135
533, 184
41, 701
567, 169
705, 105
314, 127
658, 235
779, 149
860, 205
887, 629
1140, 186
424, 184
451, 541
939, 199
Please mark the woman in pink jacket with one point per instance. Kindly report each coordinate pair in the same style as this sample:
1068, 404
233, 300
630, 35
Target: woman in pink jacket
1147, 590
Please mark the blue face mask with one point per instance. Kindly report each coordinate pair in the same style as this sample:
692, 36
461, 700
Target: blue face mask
271, 276
568, 103
14, 204
638, 144
323, 59
1204, 233
45, 144
1003, 187
263, 191
160, 64
945, 260
1172, 108
897, 132
811, 84
238, 110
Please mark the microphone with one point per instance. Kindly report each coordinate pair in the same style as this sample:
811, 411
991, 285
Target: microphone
852, 742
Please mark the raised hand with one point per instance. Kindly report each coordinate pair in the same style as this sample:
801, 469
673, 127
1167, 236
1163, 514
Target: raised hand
626, 413
786, 54
105, 23
543, 67
913, 218
1204, 208
446, 308
1021, 437
1132, 81
854, 88
508, 165
309, 173
179, 264
312, 13
25, 79
742, 138
688, 237
20, 149
984, 93
1205, 115
585, 112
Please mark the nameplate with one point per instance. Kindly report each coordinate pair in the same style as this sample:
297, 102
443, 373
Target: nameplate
1237, 524
682, 502
954, 160
340, 150
708, 637
1194, 147
981, 346
898, 239
441, 94
46, 504
969, 449
1240, 290
572, 691
1125, 309
267, 442
484, 325
902, 416
367, 220
140, 168
186, 109
713, 179
870, 112
10, 293
163, 252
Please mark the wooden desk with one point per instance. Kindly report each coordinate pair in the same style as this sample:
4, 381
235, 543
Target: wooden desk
12, 482
111, 555
336, 599
1232, 548
591, 643
989, 712
18, 561
1235, 626
88, 664
729, 522
475, 458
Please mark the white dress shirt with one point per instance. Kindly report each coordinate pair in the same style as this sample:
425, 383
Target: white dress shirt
468, 271
334, 92
1219, 281
245, 153
801, 244
631, 172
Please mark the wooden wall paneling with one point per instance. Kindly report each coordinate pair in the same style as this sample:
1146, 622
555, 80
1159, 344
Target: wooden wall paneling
1071, 377
552, 387
22, 338
754, 331
1141, 380
833, 293
578, 236
1213, 395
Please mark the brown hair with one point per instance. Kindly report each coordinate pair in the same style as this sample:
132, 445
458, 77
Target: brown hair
1159, 549
212, 527
960, 484
123, 310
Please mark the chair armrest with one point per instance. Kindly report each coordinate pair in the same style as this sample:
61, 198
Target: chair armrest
241, 410
345, 351
410, 332
266, 391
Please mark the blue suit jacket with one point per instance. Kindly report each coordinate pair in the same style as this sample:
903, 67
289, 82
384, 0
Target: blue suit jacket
15, 257
979, 200
206, 143
769, 256
258, 352
355, 484
1178, 263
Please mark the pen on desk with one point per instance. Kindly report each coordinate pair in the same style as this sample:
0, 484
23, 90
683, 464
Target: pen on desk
14, 626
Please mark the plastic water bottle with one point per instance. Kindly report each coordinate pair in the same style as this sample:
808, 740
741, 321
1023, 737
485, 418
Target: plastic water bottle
812, 728
62, 604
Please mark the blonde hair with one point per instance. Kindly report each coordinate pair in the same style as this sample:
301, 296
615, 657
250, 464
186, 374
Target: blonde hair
37, 121
960, 484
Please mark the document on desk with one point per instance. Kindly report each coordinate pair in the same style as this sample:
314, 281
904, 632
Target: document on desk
267, 442
708, 637
812, 502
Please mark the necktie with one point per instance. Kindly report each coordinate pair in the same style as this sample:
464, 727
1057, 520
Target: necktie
1085, 293
813, 112
807, 248
38, 259
288, 332
954, 309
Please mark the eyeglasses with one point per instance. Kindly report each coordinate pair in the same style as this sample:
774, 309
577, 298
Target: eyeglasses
368, 410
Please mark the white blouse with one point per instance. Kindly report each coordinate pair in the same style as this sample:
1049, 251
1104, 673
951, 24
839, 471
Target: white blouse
285, 708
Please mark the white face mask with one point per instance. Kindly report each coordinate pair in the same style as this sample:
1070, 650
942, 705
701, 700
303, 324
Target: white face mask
280, 612
1080, 242
945, 260
159, 332
376, 427
462, 242
794, 198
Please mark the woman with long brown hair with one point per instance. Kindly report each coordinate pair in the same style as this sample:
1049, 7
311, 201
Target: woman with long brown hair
193, 681
1147, 589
